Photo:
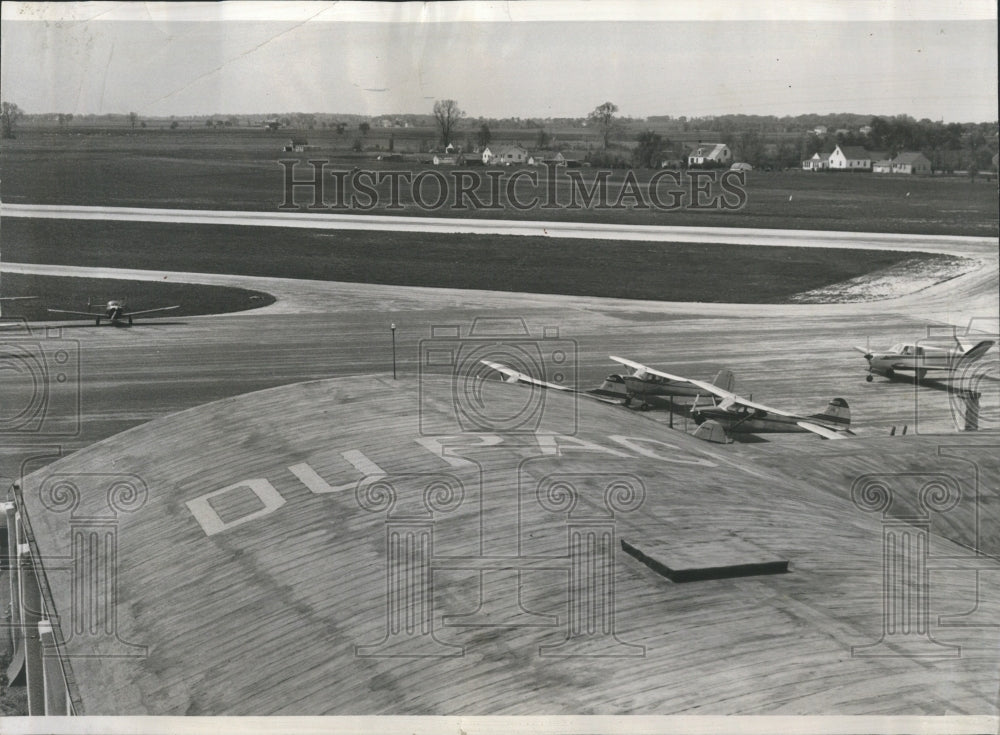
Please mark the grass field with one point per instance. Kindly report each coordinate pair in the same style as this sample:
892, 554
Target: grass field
57, 292
636, 270
238, 169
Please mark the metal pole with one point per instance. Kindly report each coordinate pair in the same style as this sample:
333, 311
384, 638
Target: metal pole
393, 328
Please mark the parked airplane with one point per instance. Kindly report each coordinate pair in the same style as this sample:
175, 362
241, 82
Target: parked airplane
114, 312
655, 391
913, 360
739, 415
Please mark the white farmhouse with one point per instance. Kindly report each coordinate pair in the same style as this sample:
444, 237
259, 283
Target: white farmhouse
850, 158
816, 163
710, 154
505, 155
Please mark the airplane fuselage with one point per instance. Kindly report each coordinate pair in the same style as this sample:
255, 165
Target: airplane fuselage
741, 421
908, 365
651, 391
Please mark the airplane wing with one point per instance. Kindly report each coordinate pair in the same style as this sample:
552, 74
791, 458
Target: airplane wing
728, 398
513, 376
91, 314
821, 430
150, 311
637, 366
16, 298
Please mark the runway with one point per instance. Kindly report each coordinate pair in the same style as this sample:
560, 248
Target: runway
956, 245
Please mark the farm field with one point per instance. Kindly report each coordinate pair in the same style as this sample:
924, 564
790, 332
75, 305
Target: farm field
239, 169
637, 270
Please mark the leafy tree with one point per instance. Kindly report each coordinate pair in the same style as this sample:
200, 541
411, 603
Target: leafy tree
10, 114
64, 118
447, 115
364, 128
647, 153
133, 119
484, 136
174, 125
603, 116
543, 139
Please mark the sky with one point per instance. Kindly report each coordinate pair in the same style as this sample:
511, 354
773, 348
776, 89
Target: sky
556, 59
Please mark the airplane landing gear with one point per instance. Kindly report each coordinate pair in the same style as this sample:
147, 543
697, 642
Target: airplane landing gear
868, 378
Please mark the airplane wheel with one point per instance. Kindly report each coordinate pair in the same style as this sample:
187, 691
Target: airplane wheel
868, 378
97, 323
644, 407
130, 321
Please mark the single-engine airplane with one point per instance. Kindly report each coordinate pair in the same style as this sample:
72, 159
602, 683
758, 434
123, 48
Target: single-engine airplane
652, 389
114, 312
915, 361
734, 414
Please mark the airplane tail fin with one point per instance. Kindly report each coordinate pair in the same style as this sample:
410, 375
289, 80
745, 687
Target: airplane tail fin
837, 412
725, 379
978, 351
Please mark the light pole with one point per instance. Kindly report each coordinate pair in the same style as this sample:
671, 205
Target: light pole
393, 328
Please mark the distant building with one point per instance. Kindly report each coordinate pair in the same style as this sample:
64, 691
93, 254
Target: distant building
882, 167
819, 130
710, 154
865, 130
540, 158
850, 158
505, 155
297, 145
816, 163
911, 163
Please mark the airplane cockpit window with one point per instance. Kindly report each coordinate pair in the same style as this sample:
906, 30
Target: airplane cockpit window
906, 350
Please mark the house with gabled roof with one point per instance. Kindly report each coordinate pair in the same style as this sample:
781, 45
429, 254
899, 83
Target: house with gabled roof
505, 155
540, 158
710, 154
818, 162
851, 158
911, 163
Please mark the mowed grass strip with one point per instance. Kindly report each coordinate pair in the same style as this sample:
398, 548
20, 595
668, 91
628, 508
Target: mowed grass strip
59, 292
630, 270
240, 170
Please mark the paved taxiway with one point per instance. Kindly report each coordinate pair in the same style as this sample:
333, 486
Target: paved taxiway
793, 356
